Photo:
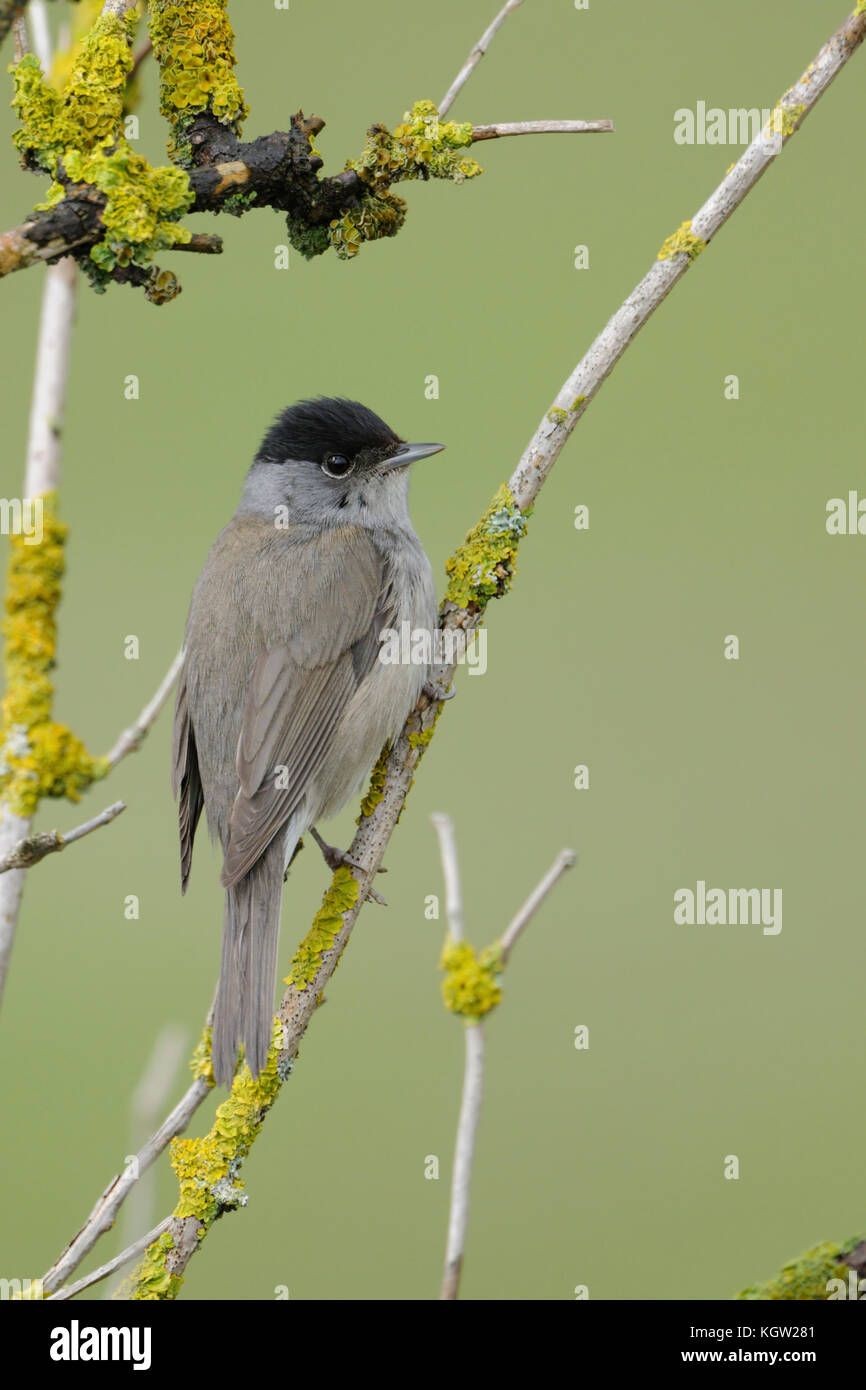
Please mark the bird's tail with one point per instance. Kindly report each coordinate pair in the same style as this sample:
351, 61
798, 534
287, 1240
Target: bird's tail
244, 1008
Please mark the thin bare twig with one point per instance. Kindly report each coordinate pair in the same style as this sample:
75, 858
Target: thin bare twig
475, 57
503, 128
205, 243
444, 827
141, 53
145, 1107
131, 1252
566, 859
9, 9
21, 45
133, 737
101, 1219
30, 850
37, 14
464, 1154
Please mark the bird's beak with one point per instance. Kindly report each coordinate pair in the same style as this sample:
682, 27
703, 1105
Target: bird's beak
411, 453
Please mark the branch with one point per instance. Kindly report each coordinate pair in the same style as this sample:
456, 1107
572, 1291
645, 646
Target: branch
471, 990
566, 859
815, 1275
444, 827
201, 100
464, 1154
475, 57
132, 738
9, 10
101, 1219
29, 851
495, 132
676, 256
97, 1275
42, 472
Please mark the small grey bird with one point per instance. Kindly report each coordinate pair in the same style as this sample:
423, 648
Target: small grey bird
283, 705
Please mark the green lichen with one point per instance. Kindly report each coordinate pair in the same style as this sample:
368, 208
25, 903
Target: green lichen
484, 565
422, 147
805, 1278
75, 135
87, 113
236, 204
201, 1062
577, 403
376, 789
471, 985
860, 9
683, 240
310, 241
141, 204
783, 120
380, 214
556, 415
194, 46
152, 1280
422, 739
206, 1169
38, 757
340, 897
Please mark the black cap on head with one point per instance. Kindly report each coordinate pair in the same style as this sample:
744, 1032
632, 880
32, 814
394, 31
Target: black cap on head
313, 429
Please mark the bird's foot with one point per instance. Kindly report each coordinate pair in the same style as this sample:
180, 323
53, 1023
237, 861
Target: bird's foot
436, 693
338, 858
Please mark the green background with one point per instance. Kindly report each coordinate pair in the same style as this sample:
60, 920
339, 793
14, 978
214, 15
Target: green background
602, 1167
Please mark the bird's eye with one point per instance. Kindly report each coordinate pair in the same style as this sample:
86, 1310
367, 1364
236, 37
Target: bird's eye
337, 465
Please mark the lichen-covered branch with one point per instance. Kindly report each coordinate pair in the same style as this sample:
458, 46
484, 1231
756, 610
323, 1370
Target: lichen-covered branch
821, 1274
115, 213
678, 253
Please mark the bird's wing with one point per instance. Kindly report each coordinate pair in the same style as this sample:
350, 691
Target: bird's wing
299, 690
185, 779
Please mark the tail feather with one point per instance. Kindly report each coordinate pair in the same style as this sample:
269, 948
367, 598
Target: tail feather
245, 998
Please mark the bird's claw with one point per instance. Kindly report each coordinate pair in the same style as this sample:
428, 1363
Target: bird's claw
436, 693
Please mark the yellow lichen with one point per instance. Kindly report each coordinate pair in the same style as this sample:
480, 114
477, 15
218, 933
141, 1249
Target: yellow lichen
805, 1278
421, 147
38, 757
484, 565
471, 984
201, 1062
682, 241
75, 135
375, 790
340, 897
783, 121
194, 46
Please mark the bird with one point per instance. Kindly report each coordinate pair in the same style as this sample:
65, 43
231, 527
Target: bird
283, 705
